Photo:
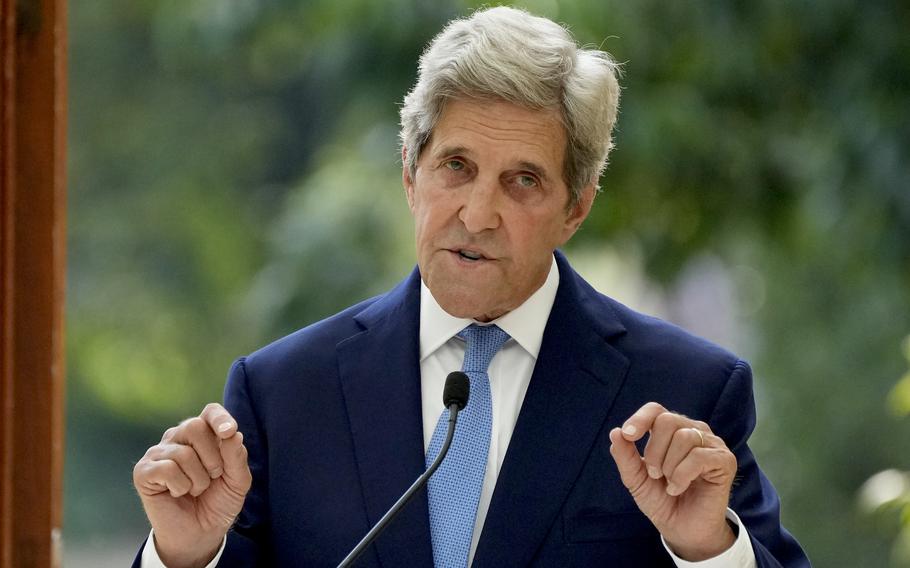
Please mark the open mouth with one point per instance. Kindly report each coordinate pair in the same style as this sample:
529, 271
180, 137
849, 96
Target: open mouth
468, 255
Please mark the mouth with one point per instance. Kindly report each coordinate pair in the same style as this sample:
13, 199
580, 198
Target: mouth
469, 255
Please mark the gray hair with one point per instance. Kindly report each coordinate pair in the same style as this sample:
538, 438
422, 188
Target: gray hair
507, 54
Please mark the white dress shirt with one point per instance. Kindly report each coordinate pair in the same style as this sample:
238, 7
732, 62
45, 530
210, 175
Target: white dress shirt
442, 352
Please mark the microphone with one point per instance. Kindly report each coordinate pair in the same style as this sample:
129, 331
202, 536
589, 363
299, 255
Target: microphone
455, 397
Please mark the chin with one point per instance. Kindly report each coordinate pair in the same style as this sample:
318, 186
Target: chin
467, 306
459, 307
461, 304
464, 296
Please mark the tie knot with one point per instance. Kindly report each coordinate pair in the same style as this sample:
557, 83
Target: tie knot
483, 341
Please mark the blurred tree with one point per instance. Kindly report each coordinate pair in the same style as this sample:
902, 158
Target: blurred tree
220, 151
885, 497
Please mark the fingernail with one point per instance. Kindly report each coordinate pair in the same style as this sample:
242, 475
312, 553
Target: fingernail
629, 430
224, 427
653, 472
672, 489
216, 473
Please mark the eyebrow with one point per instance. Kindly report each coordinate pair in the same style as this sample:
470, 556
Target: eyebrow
524, 165
450, 150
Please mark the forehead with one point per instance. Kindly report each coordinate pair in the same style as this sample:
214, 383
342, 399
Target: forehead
503, 131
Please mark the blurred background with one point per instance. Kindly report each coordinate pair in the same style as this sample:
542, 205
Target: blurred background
234, 175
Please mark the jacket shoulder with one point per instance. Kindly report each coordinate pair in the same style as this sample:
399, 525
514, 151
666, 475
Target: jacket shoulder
307, 345
663, 346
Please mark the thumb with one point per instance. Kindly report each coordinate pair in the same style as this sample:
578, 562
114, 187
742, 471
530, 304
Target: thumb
628, 461
236, 469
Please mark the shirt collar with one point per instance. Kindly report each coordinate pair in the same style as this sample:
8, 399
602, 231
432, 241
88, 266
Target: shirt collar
524, 324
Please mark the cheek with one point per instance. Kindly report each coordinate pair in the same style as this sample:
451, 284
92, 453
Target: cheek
435, 210
538, 231
534, 240
427, 223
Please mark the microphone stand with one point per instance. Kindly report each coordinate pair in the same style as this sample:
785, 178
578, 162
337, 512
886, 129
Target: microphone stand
396, 508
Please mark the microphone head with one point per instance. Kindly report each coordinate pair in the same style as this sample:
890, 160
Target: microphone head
456, 390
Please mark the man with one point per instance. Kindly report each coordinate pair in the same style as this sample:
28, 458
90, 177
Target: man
504, 137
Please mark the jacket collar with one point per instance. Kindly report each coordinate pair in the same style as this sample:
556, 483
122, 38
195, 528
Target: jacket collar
379, 370
572, 389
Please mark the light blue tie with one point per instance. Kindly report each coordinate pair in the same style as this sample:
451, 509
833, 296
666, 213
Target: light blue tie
454, 489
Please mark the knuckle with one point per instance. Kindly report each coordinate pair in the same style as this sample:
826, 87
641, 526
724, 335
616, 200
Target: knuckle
164, 468
168, 466
210, 409
169, 433
195, 425
177, 452
184, 452
664, 419
138, 472
653, 407
151, 453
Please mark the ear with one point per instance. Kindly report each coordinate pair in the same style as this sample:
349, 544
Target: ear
406, 179
579, 212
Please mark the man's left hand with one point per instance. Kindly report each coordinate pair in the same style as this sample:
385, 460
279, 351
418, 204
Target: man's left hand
682, 483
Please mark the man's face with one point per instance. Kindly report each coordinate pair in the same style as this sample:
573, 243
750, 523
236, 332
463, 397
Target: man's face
490, 205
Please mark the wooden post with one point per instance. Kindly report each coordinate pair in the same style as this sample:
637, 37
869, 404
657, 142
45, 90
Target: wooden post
32, 269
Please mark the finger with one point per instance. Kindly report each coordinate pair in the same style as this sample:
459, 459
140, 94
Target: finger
716, 466
665, 425
153, 477
188, 460
236, 469
219, 419
684, 441
639, 423
197, 433
628, 461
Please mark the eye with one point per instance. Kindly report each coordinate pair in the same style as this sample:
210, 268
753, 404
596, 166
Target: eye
454, 165
526, 181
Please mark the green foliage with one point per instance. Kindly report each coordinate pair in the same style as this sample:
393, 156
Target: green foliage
885, 497
234, 176
899, 397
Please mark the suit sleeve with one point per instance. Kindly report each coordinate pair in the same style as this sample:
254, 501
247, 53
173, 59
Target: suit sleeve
248, 540
753, 497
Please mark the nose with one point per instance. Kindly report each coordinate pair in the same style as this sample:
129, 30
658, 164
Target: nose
480, 211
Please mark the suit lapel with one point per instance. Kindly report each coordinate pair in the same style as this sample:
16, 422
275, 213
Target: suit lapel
380, 378
576, 378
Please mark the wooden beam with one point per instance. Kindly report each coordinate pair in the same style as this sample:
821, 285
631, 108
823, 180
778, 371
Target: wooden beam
32, 270
7, 170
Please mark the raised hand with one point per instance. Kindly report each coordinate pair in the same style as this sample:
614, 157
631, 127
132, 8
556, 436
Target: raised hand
682, 482
192, 485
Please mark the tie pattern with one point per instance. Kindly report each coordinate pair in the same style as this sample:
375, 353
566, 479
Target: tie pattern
454, 490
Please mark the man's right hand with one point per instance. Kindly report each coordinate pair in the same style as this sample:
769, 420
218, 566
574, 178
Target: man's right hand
192, 485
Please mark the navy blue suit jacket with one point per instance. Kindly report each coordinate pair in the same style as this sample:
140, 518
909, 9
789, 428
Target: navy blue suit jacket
332, 418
